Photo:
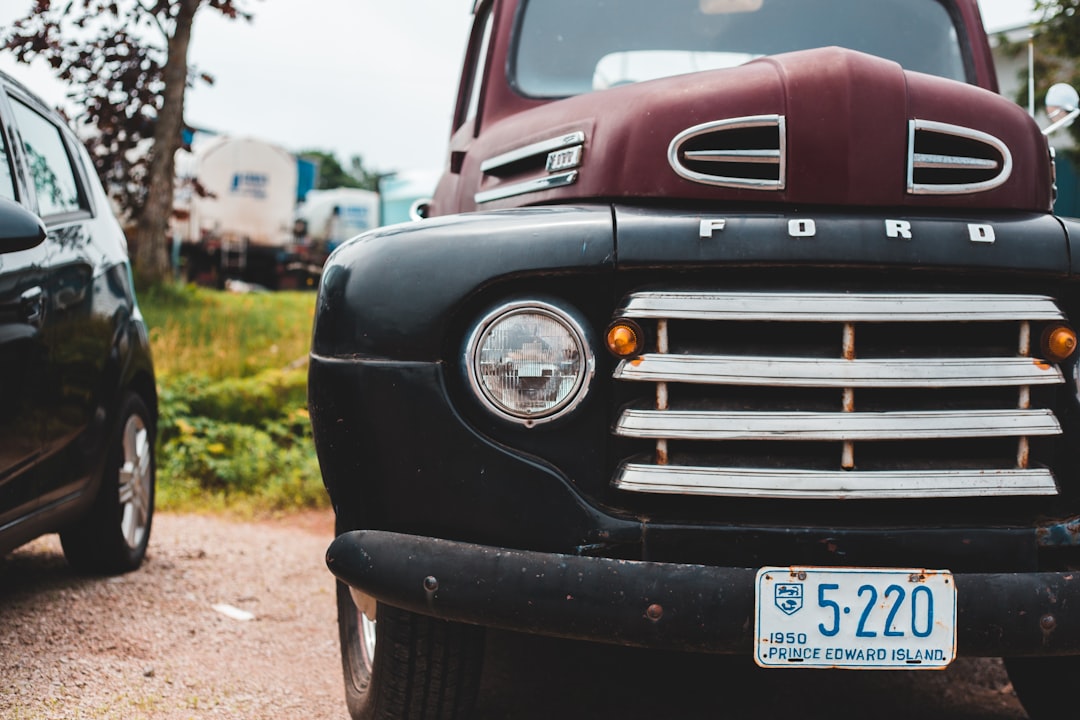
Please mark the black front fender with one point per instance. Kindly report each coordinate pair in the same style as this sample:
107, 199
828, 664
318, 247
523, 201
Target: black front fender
389, 293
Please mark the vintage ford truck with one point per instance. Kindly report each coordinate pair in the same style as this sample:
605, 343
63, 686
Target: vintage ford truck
737, 326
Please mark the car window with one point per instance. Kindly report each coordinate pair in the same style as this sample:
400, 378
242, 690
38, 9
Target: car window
49, 163
476, 71
7, 181
559, 51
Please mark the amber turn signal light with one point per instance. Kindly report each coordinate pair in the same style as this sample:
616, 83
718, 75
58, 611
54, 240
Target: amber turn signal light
624, 339
1058, 343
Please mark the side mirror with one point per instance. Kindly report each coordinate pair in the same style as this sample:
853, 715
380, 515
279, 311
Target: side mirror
1062, 107
420, 209
20, 229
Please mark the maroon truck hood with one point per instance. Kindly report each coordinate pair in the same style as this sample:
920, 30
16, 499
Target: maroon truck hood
846, 124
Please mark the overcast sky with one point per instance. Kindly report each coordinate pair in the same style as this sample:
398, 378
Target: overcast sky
375, 78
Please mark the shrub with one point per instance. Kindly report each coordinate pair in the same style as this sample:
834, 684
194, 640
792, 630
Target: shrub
249, 401
233, 428
269, 465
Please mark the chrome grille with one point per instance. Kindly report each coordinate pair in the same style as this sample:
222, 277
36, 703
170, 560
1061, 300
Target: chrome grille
830, 395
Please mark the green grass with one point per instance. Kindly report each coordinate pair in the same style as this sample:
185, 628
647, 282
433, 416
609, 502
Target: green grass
221, 335
233, 433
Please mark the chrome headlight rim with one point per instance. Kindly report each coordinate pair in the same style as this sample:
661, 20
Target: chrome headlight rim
576, 328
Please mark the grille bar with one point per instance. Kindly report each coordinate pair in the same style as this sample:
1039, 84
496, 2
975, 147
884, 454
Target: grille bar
832, 485
707, 425
838, 307
837, 372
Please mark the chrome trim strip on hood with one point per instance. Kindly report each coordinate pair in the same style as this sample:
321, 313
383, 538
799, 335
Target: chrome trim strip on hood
537, 148
764, 157
542, 183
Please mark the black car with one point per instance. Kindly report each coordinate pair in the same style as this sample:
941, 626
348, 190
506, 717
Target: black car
78, 405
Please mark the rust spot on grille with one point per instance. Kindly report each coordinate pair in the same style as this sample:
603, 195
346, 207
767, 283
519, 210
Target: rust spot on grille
1023, 454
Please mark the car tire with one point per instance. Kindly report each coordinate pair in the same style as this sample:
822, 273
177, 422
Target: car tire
421, 668
1044, 684
112, 537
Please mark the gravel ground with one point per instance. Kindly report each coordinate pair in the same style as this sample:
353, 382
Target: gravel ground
152, 645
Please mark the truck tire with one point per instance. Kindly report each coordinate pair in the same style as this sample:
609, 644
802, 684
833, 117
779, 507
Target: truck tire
112, 537
1044, 685
421, 668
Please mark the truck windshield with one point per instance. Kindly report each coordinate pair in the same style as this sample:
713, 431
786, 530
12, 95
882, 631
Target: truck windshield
569, 47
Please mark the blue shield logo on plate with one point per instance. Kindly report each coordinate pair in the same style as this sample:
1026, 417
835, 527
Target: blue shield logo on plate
788, 597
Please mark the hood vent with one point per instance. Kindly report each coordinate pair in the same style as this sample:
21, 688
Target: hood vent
746, 152
949, 160
558, 157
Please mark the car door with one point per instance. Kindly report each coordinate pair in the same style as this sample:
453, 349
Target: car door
22, 351
72, 341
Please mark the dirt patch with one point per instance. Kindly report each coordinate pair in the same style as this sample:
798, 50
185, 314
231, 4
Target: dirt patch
152, 645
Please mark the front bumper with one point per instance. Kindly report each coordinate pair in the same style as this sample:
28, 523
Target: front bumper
662, 605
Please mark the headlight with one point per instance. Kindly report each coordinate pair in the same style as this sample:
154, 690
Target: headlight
529, 362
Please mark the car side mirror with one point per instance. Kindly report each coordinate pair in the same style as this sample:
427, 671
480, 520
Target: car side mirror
420, 209
1062, 107
20, 229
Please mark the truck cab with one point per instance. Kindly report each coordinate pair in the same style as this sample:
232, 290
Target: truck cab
738, 326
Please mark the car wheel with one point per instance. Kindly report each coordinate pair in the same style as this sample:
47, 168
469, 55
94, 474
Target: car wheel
1044, 684
113, 536
402, 665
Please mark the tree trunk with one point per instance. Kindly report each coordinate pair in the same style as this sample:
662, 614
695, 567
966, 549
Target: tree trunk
151, 234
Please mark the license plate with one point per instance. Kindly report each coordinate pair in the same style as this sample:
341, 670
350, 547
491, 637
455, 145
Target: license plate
856, 618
